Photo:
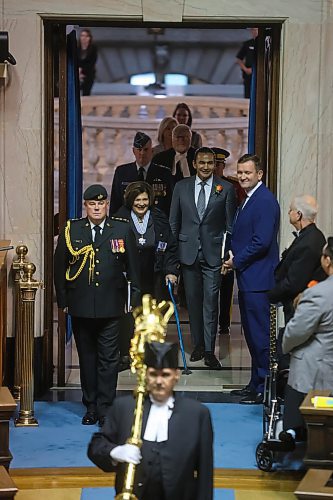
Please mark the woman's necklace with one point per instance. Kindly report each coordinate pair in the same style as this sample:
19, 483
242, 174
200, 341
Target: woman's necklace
141, 225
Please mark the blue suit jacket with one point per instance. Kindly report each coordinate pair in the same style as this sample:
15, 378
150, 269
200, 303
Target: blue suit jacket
254, 241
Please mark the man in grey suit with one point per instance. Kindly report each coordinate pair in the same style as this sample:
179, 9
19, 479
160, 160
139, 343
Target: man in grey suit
309, 340
201, 216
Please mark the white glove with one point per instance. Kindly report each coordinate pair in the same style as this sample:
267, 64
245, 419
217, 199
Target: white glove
126, 453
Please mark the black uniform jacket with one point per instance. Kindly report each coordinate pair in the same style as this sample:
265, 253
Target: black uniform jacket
299, 265
158, 177
186, 458
166, 158
105, 295
166, 261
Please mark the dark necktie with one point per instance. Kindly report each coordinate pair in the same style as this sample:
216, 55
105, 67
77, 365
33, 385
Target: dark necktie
141, 174
98, 235
201, 203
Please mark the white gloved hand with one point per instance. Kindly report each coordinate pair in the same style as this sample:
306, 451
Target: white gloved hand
126, 453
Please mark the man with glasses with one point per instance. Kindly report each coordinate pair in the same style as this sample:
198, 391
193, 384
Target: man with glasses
91, 257
300, 263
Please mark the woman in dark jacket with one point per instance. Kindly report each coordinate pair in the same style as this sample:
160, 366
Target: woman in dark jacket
158, 252
87, 57
156, 244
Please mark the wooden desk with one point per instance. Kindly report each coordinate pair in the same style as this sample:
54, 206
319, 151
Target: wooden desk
319, 423
314, 485
7, 408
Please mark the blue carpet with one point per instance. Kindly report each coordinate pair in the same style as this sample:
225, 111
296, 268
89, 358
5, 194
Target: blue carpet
61, 440
108, 493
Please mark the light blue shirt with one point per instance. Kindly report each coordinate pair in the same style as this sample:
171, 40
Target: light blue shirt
208, 189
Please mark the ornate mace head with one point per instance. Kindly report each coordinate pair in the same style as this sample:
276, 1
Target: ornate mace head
151, 320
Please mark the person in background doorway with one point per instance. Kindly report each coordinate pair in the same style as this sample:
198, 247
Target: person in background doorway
87, 57
164, 136
142, 169
183, 115
245, 59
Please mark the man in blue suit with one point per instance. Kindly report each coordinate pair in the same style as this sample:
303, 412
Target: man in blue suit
254, 255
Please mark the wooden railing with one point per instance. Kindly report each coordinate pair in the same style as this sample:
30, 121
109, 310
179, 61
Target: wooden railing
3, 308
110, 123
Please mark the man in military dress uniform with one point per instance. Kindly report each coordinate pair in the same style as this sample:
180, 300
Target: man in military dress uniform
91, 258
227, 280
142, 169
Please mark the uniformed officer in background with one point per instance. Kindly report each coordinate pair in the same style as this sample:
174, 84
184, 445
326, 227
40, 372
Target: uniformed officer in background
91, 257
142, 169
227, 280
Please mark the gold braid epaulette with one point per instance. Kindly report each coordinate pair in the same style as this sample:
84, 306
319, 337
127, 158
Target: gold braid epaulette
87, 251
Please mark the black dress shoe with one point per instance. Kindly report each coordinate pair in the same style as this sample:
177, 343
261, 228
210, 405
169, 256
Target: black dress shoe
212, 362
90, 418
225, 330
241, 392
253, 398
198, 353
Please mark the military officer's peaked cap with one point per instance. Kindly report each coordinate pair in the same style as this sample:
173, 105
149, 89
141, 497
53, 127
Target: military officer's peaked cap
140, 140
161, 355
221, 154
95, 192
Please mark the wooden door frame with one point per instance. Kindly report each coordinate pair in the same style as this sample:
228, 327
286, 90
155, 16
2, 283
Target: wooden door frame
266, 144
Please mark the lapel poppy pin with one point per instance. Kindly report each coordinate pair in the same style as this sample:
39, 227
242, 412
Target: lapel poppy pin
218, 189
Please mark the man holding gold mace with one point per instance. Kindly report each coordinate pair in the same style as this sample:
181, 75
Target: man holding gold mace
176, 458
91, 258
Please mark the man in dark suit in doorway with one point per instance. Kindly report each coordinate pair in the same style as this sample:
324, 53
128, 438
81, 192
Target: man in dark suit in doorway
91, 257
201, 216
176, 458
144, 169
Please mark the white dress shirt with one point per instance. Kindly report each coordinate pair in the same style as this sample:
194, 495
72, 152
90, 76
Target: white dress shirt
158, 420
250, 193
93, 232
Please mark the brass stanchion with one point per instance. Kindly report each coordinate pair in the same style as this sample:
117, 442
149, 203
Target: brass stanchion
28, 289
17, 266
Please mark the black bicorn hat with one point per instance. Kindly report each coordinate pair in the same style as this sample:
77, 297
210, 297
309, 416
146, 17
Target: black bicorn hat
95, 192
161, 355
220, 154
140, 140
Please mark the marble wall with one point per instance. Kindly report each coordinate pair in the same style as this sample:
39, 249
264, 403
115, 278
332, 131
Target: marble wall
306, 102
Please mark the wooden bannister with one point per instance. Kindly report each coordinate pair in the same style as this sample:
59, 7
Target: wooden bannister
3, 308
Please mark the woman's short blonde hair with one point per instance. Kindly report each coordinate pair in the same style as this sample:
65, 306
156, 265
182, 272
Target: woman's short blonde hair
163, 125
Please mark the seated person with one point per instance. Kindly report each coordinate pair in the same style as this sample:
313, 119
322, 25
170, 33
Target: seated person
176, 458
308, 338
